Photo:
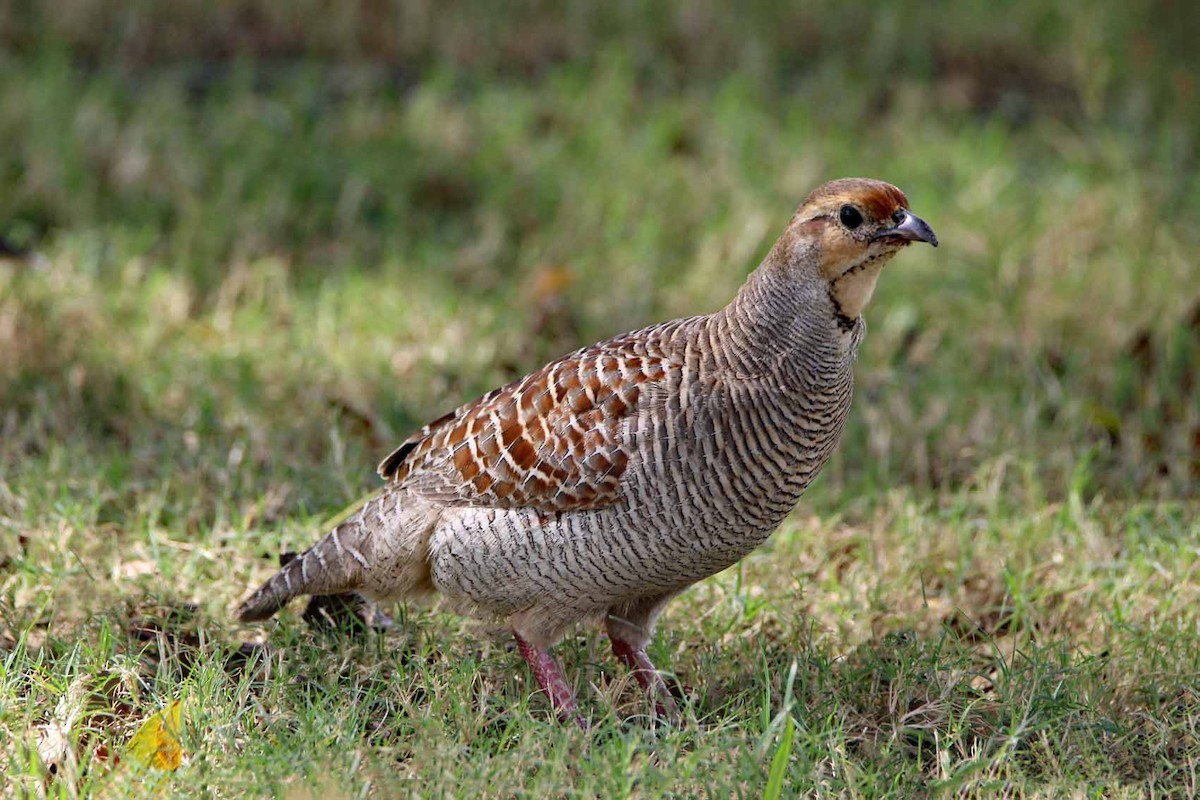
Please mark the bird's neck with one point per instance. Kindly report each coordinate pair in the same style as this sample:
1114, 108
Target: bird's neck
777, 322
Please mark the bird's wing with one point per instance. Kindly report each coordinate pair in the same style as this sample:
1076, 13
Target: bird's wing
559, 439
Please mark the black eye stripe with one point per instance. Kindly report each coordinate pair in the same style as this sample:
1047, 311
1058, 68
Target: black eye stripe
850, 216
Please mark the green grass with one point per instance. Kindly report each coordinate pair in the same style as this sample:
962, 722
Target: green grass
253, 254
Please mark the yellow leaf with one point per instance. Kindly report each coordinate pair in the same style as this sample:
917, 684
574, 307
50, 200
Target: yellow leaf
156, 744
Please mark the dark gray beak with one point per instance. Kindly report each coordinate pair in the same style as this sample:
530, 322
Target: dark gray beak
912, 228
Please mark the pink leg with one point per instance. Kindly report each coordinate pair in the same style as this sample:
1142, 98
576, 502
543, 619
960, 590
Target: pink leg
550, 678
652, 682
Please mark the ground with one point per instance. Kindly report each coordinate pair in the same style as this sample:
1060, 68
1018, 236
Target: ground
244, 257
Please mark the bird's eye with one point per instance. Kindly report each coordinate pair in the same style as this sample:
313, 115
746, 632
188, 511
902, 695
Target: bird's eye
899, 216
850, 216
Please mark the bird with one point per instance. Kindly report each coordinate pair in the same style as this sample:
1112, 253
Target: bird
599, 487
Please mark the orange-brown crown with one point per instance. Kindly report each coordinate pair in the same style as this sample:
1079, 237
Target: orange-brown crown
878, 199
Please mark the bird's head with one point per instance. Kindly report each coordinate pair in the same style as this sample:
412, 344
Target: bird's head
845, 232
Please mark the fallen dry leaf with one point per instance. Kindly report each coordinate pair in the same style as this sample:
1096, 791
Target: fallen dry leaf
156, 743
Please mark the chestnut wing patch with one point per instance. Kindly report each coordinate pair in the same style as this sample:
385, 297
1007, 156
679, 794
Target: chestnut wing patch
550, 441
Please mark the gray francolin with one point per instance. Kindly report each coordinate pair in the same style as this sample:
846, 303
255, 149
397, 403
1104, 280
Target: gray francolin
606, 482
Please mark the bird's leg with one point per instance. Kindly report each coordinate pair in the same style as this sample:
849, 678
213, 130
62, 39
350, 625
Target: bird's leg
630, 626
550, 678
651, 680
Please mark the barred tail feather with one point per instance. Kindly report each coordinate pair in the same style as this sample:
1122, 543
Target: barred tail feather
332, 566
380, 551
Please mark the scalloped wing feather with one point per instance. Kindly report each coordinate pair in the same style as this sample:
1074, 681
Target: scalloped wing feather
556, 440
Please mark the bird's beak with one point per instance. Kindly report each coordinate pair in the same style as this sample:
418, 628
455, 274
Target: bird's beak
912, 228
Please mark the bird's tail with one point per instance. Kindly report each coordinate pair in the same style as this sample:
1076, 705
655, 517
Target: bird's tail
345, 558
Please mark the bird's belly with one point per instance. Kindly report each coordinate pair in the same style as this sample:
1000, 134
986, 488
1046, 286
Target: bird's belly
576, 564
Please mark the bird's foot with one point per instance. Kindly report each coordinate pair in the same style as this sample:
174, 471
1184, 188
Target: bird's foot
650, 678
550, 678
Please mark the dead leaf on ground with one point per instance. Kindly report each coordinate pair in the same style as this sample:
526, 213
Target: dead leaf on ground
157, 742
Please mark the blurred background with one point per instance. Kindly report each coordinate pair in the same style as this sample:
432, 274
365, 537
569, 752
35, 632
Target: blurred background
250, 245
246, 247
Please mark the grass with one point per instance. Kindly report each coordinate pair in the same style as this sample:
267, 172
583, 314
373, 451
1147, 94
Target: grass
248, 255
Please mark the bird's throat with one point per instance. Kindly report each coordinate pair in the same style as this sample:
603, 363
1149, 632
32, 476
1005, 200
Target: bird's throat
851, 291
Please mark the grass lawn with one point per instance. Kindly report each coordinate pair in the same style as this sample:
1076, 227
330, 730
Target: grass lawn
245, 254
